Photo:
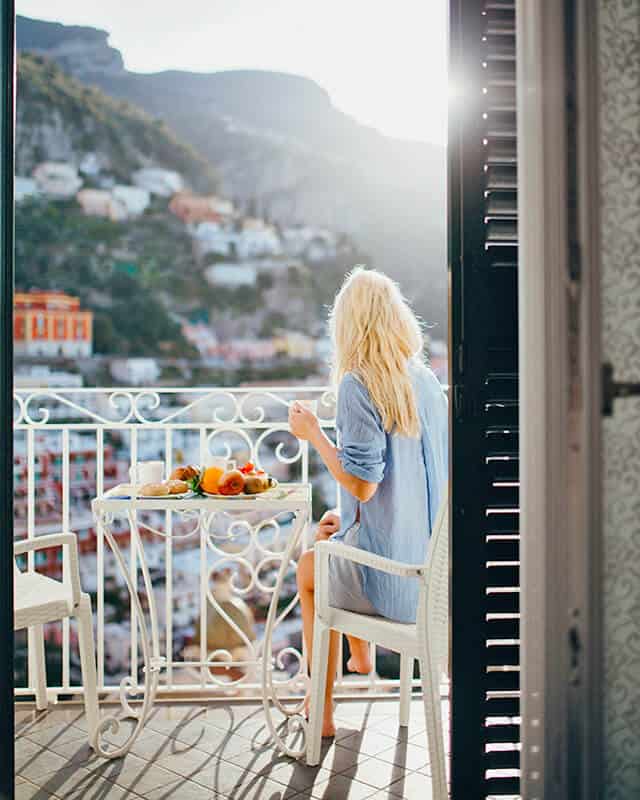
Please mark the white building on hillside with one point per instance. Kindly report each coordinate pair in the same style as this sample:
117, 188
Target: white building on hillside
202, 338
212, 237
91, 164
312, 244
133, 198
57, 180
253, 240
135, 371
163, 182
24, 187
42, 376
257, 239
294, 344
231, 275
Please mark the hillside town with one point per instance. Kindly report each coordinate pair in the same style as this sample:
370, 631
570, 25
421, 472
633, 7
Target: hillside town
233, 250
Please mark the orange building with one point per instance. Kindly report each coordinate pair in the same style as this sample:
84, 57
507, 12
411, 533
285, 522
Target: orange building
51, 324
193, 208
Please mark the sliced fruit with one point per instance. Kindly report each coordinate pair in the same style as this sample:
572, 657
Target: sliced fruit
211, 479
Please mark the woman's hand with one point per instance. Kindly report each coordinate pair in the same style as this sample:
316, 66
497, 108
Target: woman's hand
303, 422
328, 525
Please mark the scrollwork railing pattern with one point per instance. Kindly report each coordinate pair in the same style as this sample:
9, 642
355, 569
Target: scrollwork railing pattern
73, 444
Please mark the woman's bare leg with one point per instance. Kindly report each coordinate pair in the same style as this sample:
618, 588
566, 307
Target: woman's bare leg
307, 605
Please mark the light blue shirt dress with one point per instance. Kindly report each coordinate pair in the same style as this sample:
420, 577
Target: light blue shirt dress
411, 472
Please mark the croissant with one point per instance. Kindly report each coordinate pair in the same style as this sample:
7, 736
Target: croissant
177, 487
154, 490
184, 473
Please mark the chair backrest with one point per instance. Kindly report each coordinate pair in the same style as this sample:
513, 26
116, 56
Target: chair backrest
433, 610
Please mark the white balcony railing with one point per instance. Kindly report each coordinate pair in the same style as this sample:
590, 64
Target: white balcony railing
71, 445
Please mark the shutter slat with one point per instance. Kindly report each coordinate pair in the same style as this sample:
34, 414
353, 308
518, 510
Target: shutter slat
503, 680
503, 704
504, 759
502, 495
500, 576
501, 203
502, 602
501, 98
499, 48
504, 411
503, 628
501, 231
500, 176
502, 733
502, 550
502, 787
502, 467
500, 72
500, 21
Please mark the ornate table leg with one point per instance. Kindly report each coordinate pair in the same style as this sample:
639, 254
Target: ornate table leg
296, 721
153, 662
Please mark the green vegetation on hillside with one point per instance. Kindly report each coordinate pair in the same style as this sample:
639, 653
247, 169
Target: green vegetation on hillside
95, 122
58, 247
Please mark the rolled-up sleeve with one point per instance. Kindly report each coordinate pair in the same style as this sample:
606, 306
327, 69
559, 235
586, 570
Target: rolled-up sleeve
362, 442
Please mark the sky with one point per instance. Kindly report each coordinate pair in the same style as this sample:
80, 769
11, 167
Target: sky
383, 63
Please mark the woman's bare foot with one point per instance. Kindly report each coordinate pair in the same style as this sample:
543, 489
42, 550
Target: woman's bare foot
328, 725
360, 662
360, 652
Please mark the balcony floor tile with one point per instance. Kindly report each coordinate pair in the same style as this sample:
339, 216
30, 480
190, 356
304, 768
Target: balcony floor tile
60, 733
218, 752
415, 786
67, 781
33, 760
376, 773
370, 742
339, 786
27, 722
407, 755
134, 773
184, 789
25, 790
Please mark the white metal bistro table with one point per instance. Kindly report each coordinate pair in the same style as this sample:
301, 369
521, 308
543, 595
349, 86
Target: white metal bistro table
294, 498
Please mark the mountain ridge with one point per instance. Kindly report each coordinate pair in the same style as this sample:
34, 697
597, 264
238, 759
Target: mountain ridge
279, 145
57, 117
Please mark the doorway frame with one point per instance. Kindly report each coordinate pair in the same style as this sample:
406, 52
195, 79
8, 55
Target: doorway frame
7, 111
558, 106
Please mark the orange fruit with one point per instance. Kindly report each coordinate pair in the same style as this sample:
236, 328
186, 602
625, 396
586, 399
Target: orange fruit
211, 479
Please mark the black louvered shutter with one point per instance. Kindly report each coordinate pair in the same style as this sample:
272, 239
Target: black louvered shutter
484, 408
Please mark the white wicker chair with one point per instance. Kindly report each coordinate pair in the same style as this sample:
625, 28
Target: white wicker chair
38, 600
426, 641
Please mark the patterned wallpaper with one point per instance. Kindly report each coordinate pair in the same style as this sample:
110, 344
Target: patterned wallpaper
619, 54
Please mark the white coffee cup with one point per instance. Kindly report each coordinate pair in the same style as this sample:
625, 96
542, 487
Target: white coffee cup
147, 472
217, 461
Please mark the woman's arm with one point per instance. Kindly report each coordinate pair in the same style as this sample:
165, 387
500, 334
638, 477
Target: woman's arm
304, 424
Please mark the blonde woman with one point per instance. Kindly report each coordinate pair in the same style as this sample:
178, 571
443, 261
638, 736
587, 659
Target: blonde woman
390, 461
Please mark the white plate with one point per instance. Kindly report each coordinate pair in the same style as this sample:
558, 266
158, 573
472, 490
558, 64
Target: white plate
241, 496
126, 491
179, 496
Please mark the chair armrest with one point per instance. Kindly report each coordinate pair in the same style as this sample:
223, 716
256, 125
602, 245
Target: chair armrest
325, 549
69, 544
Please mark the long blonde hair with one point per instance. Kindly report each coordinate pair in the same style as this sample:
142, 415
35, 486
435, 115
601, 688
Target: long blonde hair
376, 336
